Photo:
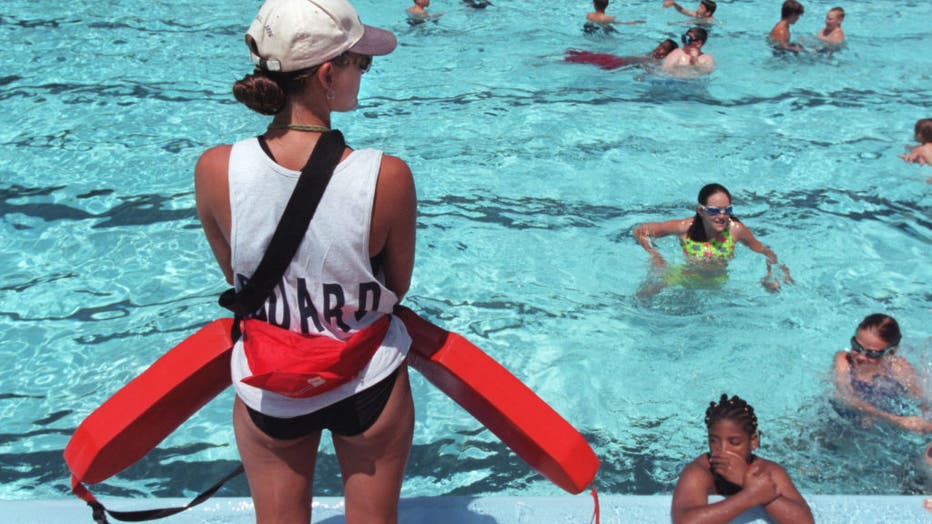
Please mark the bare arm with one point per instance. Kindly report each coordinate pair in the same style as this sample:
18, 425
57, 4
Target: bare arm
678, 7
744, 235
643, 233
394, 217
691, 501
212, 196
790, 507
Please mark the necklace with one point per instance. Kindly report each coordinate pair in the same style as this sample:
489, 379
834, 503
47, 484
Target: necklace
301, 127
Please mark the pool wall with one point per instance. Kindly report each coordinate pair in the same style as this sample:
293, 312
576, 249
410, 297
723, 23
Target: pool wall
826, 509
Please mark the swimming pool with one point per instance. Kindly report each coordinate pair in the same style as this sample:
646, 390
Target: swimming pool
531, 173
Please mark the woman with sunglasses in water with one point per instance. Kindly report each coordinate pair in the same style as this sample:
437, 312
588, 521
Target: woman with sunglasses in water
873, 383
708, 242
731, 469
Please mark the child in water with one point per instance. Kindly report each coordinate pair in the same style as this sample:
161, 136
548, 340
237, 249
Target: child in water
731, 469
921, 154
832, 35
417, 13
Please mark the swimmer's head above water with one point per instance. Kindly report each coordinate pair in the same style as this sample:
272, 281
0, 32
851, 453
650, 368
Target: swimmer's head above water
713, 210
706, 9
732, 425
663, 49
923, 130
695, 35
877, 336
792, 10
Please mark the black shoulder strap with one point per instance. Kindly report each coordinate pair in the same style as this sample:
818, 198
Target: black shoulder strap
291, 227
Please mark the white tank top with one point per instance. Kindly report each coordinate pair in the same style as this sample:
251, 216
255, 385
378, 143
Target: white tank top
330, 287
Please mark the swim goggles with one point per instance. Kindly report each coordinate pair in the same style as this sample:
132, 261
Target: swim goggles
870, 353
715, 211
687, 38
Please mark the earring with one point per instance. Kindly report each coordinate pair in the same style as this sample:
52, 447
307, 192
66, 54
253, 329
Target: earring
330, 94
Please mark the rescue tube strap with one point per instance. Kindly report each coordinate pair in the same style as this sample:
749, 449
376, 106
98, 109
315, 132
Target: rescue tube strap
100, 512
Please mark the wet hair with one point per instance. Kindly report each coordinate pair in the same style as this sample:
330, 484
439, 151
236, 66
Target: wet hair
600, 5
698, 33
696, 231
734, 409
885, 326
669, 44
923, 128
790, 8
266, 92
840, 11
709, 5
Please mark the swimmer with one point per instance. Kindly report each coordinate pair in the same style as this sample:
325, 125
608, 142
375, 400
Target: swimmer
689, 60
477, 4
417, 13
708, 241
832, 35
779, 36
599, 21
873, 383
731, 469
702, 14
921, 154
610, 61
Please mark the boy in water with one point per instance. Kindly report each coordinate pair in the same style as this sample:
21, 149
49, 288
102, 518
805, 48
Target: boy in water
780, 34
831, 34
921, 154
689, 60
598, 20
417, 13
702, 14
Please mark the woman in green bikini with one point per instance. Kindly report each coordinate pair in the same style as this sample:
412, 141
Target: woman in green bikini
708, 242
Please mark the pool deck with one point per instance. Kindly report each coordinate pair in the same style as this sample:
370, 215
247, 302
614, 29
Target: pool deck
868, 509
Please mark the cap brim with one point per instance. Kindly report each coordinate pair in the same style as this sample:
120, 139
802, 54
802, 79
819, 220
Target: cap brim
375, 42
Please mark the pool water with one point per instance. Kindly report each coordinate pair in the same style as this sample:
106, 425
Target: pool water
531, 173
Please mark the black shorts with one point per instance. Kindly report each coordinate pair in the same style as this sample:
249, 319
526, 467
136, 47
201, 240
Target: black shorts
348, 417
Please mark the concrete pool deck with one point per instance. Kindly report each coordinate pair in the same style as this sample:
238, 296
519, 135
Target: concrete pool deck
868, 509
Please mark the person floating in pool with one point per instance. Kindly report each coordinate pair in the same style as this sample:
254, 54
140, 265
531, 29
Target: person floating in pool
597, 21
921, 154
417, 13
702, 14
731, 469
708, 243
779, 36
610, 61
873, 383
689, 61
831, 35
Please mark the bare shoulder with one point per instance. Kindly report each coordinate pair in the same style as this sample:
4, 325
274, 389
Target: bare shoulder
214, 161
395, 172
695, 482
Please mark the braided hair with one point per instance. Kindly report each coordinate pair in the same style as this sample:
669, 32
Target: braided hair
735, 409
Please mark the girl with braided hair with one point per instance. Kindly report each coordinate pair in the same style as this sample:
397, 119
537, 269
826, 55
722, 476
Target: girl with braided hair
731, 469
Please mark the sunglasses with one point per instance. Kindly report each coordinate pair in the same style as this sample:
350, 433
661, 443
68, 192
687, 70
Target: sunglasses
363, 62
715, 211
870, 353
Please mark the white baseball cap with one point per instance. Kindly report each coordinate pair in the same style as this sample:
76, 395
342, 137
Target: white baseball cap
290, 35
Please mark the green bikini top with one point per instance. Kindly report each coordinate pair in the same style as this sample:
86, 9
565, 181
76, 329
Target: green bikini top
721, 246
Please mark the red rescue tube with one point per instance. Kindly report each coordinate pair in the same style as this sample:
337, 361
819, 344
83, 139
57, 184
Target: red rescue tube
141, 414
502, 403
